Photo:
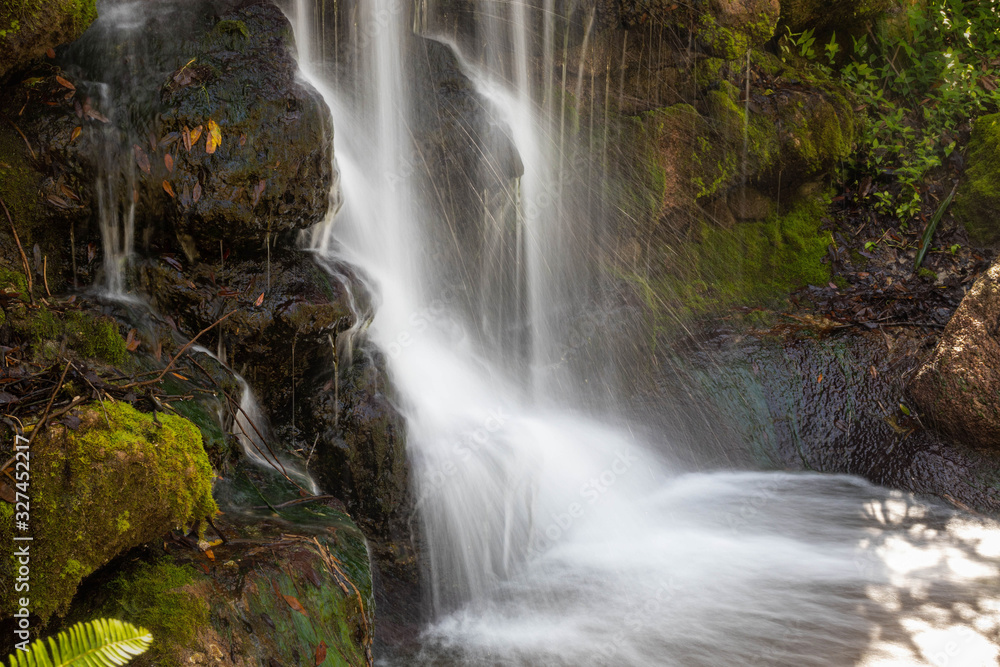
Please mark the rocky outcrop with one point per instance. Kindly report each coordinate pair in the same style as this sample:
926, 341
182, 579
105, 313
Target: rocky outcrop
293, 589
826, 16
210, 142
958, 388
29, 28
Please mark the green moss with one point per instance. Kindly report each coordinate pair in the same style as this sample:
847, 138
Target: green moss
750, 264
14, 282
119, 480
96, 337
719, 41
89, 335
821, 135
708, 72
978, 199
152, 595
927, 275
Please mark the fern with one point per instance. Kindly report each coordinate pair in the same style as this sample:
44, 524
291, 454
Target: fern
105, 642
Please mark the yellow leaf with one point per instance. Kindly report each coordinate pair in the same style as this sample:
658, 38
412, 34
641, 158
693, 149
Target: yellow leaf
195, 133
214, 138
178, 376
76, 133
168, 189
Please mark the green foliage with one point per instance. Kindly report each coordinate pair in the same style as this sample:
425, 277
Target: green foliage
919, 86
100, 643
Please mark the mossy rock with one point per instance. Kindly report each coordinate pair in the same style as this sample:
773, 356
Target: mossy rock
90, 335
116, 479
28, 28
750, 264
978, 200
283, 591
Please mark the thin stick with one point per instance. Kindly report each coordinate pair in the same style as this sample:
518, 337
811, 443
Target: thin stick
296, 501
30, 150
41, 422
24, 258
45, 274
178, 355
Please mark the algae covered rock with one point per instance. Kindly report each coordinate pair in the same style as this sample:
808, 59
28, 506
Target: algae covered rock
977, 204
112, 480
959, 386
277, 593
28, 28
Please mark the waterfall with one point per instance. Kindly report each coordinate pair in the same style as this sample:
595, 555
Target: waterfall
554, 538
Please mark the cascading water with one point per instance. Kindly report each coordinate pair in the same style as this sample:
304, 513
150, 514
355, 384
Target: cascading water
553, 539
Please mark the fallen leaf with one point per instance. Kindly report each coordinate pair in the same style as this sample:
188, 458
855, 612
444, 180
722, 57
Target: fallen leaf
321, 653
243, 139
169, 162
131, 341
141, 158
905, 410
209, 554
195, 133
7, 493
295, 604
168, 189
819, 379
259, 300
257, 191
186, 138
214, 138
178, 376
91, 252
64, 83
51, 53
72, 422
76, 133
6, 398
197, 192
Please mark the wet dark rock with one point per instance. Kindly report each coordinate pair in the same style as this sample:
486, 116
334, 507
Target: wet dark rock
210, 134
362, 455
792, 399
959, 386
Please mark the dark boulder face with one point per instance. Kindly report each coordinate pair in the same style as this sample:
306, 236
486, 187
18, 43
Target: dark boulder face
959, 385
197, 112
29, 28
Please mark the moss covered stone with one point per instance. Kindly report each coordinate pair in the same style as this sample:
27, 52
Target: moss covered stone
978, 198
89, 335
750, 264
30, 27
118, 480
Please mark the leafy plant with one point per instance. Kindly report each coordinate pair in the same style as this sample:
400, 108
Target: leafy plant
918, 87
105, 642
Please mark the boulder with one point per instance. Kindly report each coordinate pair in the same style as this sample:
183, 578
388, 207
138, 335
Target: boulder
959, 385
29, 28
288, 589
208, 137
104, 481
826, 16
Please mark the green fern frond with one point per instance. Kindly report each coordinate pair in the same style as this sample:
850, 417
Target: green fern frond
105, 642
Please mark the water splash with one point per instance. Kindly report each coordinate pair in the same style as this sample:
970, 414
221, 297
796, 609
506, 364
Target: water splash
552, 538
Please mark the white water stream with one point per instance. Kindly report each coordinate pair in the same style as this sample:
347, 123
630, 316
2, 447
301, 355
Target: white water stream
554, 539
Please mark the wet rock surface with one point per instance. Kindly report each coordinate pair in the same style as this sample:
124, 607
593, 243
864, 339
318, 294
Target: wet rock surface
959, 386
835, 402
28, 29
